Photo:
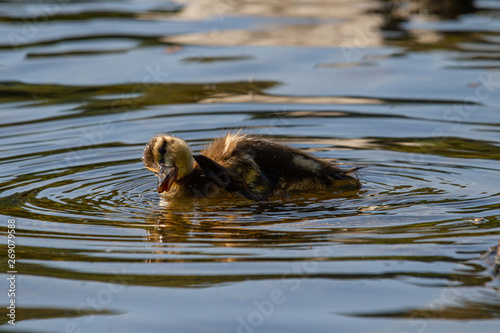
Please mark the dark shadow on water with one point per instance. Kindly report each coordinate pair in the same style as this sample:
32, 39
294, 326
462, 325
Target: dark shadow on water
486, 307
30, 313
96, 100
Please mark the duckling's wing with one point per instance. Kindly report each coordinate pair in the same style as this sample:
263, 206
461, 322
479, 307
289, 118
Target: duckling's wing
253, 176
227, 179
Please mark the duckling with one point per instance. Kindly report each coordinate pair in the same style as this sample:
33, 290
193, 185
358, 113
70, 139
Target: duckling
254, 167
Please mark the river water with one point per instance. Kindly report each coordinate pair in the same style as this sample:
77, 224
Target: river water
410, 90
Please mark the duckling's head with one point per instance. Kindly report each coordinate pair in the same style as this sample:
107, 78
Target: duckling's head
169, 158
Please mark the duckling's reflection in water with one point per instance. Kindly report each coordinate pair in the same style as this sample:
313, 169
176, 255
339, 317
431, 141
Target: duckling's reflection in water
237, 222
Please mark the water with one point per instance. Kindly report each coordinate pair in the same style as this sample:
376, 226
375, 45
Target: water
407, 90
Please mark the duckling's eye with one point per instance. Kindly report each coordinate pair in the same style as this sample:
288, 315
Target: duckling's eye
162, 151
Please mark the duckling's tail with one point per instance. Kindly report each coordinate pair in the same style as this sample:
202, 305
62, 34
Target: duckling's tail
352, 174
350, 171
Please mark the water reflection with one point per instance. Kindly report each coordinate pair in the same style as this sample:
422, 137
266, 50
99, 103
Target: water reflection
324, 23
236, 220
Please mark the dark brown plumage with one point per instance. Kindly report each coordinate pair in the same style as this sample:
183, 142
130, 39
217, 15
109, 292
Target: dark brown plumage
254, 167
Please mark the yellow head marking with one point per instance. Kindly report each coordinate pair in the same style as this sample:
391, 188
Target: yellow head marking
170, 151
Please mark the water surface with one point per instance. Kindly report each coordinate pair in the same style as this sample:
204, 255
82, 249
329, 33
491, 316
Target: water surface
407, 90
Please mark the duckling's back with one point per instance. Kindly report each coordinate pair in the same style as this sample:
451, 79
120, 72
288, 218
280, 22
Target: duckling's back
267, 166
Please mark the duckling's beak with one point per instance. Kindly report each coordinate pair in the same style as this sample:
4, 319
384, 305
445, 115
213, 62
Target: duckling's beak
166, 177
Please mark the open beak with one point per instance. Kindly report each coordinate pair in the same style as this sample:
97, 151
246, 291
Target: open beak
166, 177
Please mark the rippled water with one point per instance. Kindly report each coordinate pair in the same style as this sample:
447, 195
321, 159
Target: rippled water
408, 89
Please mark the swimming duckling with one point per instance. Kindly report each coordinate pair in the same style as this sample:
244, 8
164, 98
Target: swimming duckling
254, 167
